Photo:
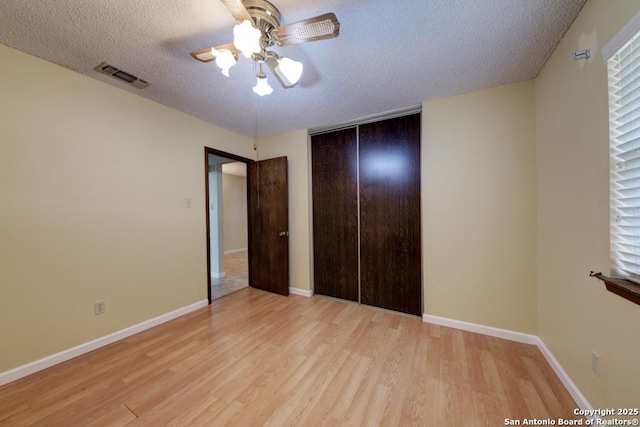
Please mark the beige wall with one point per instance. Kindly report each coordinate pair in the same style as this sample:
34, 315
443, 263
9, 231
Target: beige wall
92, 187
576, 315
295, 146
478, 207
234, 190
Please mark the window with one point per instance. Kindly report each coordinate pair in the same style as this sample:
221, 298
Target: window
622, 55
623, 61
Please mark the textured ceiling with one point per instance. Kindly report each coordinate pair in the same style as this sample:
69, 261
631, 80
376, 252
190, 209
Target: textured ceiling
390, 55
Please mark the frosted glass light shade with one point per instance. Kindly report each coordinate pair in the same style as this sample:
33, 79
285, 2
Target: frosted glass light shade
289, 70
224, 60
262, 87
246, 38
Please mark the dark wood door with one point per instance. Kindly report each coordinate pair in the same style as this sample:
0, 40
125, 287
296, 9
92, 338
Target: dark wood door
390, 261
268, 226
334, 164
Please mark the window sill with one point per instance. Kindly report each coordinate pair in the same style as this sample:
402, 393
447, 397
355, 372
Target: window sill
622, 287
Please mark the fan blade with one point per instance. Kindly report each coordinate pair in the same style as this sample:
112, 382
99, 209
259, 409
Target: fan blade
237, 10
309, 30
205, 55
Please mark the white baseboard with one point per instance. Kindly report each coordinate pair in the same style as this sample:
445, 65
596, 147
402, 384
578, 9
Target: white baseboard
301, 292
573, 390
46, 362
235, 251
482, 329
215, 275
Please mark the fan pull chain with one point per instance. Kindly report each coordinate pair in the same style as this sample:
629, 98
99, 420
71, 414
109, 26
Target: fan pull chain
255, 140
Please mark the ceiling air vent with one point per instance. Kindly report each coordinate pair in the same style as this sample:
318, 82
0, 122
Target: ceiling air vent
112, 71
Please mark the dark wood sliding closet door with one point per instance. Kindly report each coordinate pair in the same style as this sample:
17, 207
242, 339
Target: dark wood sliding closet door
334, 165
390, 273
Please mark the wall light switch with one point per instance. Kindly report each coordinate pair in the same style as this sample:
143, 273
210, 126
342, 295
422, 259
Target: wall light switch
187, 203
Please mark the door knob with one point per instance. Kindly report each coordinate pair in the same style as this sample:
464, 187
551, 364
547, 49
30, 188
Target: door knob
283, 233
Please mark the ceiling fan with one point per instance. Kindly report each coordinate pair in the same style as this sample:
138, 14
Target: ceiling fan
257, 30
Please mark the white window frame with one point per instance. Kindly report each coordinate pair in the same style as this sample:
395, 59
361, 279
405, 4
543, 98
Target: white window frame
622, 56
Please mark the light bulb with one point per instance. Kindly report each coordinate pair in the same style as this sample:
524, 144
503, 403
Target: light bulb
224, 60
289, 70
262, 87
246, 38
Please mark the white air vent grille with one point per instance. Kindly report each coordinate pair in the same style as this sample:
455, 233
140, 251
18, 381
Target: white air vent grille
112, 71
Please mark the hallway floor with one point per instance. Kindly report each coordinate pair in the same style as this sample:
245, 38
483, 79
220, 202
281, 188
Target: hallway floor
236, 266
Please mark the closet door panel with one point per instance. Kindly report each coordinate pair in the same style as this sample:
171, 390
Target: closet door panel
335, 213
390, 262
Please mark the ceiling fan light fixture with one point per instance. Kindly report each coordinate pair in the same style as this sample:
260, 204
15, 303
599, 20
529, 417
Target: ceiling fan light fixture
246, 38
262, 87
258, 28
225, 59
289, 71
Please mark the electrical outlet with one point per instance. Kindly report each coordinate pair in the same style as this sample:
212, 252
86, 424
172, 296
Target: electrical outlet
595, 363
99, 307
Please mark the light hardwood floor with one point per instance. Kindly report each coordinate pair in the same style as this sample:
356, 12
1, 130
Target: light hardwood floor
257, 359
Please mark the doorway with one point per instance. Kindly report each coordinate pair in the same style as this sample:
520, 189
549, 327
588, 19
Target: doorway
227, 223
267, 221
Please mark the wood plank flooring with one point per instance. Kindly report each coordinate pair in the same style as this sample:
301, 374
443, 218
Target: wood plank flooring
258, 359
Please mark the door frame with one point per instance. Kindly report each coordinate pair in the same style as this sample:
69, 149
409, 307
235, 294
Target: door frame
207, 151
